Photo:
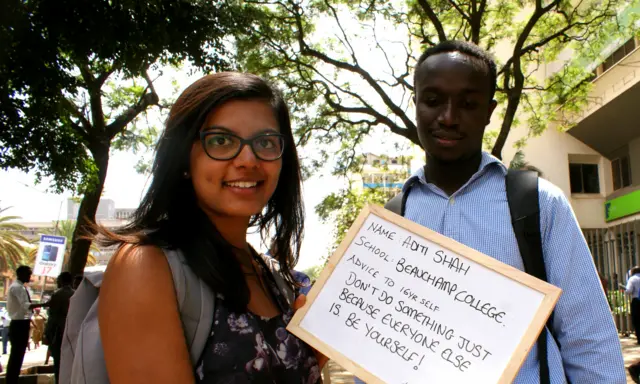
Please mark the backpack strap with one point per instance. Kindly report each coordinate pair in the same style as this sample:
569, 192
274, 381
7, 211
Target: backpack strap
395, 204
196, 303
524, 206
398, 203
274, 267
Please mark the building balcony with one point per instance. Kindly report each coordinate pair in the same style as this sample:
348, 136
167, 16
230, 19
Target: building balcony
610, 118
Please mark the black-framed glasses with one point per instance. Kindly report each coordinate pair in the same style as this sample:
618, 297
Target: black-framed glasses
226, 146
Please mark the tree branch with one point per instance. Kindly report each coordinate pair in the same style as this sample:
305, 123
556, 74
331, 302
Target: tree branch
105, 75
305, 50
346, 42
70, 107
442, 36
146, 100
514, 93
460, 10
95, 96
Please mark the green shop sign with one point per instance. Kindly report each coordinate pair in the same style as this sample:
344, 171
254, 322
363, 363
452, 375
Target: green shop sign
622, 206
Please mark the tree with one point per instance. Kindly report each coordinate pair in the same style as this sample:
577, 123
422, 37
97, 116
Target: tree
12, 243
314, 272
327, 55
519, 162
343, 207
75, 78
347, 67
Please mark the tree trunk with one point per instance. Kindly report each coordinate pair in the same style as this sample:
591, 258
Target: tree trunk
87, 214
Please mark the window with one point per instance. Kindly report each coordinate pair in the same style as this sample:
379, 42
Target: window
621, 172
584, 178
619, 54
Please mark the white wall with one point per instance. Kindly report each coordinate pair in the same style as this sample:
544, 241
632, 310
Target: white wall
634, 158
550, 152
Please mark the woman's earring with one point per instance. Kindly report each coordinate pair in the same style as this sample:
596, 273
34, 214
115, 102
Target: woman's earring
185, 174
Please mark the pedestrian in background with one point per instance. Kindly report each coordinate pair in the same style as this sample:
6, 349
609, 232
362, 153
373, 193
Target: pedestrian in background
38, 327
19, 307
6, 320
633, 290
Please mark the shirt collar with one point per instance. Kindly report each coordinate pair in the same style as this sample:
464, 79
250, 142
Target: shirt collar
487, 161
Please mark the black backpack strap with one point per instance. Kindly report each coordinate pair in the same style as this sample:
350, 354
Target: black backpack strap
395, 204
398, 203
524, 205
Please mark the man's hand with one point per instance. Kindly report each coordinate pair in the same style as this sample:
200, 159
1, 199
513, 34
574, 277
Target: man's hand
299, 303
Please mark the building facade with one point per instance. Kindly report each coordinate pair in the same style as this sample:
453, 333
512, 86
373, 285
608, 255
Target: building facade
597, 165
106, 209
388, 173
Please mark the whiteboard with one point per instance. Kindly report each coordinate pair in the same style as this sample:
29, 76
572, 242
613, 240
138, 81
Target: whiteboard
399, 303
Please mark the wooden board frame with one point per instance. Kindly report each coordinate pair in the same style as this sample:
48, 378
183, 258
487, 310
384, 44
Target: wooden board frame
551, 293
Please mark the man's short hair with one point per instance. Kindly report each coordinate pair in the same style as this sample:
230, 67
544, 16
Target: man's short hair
65, 278
22, 270
468, 49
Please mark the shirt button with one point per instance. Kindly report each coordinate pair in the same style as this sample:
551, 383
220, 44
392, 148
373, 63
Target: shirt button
452, 200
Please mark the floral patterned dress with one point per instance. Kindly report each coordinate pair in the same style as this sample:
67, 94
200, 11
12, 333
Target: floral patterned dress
247, 348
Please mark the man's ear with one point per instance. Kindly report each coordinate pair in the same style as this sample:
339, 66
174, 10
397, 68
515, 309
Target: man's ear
492, 106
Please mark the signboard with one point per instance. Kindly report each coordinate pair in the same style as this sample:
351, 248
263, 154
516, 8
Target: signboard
622, 206
399, 303
50, 256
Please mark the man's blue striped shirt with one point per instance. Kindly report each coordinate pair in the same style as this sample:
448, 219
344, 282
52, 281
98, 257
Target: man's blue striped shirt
477, 215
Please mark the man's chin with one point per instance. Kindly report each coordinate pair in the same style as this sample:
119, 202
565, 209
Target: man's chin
445, 156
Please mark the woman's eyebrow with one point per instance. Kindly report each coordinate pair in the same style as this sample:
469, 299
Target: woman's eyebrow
221, 128
216, 128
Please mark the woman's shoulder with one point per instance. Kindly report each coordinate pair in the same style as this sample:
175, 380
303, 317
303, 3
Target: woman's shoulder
134, 254
137, 267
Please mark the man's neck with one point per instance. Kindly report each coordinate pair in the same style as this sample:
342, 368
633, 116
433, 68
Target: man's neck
450, 176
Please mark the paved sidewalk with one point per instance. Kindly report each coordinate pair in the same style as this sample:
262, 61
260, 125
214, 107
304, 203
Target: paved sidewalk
31, 358
631, 352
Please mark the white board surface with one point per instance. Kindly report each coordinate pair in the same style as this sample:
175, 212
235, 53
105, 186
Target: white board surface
406, 309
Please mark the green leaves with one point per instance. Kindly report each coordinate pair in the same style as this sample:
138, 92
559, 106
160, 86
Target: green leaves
56, 96
12, 243
343, 207
347, 66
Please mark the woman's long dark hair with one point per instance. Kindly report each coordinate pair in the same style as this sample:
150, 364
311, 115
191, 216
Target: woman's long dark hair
169, 215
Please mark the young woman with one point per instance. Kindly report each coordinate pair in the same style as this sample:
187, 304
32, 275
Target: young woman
225, 162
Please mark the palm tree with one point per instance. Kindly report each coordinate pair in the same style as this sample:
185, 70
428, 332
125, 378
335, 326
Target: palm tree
65, 228
12, 251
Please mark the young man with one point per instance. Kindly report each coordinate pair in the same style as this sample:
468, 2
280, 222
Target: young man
19, 307
461, 194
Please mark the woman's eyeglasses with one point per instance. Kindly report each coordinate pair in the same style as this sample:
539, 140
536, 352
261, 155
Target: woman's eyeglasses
226, 146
